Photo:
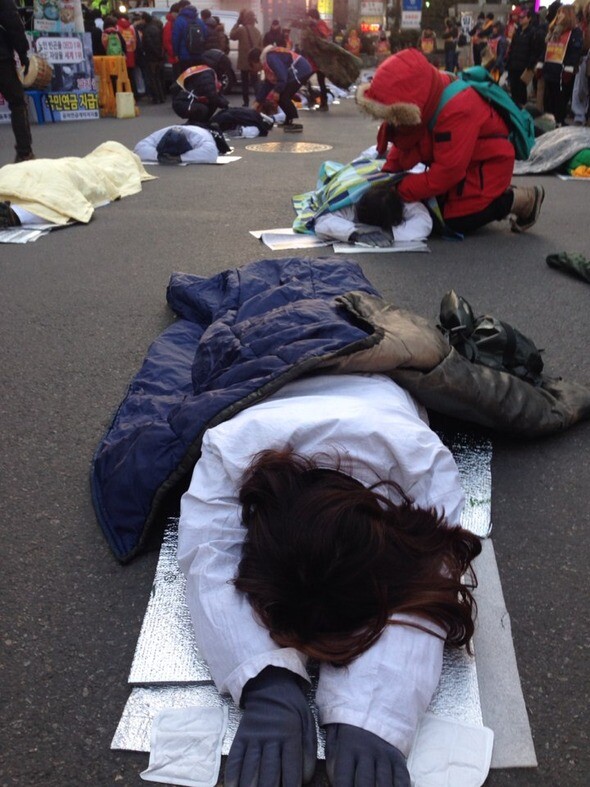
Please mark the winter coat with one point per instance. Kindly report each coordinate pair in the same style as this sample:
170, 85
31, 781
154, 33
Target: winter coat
167, 38
469, 155
282, 67
241, 335
187, 16
12, 32
248, 37
522, 54
199, 84
130, 37
274, 37
214, 39
151, 40
553, 70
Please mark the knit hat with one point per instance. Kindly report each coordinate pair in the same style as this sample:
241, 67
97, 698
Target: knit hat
404, 91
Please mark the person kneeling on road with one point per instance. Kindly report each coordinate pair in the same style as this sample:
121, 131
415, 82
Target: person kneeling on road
467, 151
198, 95
284, 73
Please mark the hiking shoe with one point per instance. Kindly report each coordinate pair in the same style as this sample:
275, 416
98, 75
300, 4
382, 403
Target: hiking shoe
8, 217
526, 207
293, 128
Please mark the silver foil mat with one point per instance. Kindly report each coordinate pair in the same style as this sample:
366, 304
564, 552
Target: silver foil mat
166, 651
167, 654
474, 460
457, 697
134, 729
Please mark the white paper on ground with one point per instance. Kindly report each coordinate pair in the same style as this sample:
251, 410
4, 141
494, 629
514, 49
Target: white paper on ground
447, 753
186, 746
287, 238
572, 177
358, 248
24, 234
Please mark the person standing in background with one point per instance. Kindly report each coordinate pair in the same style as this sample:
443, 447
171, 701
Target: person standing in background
520, 62
318, 27
248, 37
167, 35
153, 52
563, 49
13, 39
274, 36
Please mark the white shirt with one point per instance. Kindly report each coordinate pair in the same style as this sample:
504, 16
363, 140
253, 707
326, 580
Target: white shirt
341, 223
203, 148
370, 420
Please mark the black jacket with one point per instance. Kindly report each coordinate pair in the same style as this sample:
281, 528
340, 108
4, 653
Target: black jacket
12, 32
523, 52
153, 50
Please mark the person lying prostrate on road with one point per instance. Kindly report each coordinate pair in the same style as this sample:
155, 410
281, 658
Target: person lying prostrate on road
323, 523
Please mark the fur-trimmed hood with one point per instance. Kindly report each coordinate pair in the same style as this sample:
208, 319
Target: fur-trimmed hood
405, 90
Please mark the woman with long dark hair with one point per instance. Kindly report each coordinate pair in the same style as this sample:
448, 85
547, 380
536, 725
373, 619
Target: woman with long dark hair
323, 523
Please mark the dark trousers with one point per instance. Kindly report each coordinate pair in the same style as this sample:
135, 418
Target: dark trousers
14, 93
497, 210
556, 99
518, 89
286, 101
249, 80
321, 77
155, 84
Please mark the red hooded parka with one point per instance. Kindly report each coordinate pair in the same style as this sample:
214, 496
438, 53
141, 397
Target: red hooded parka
469, 156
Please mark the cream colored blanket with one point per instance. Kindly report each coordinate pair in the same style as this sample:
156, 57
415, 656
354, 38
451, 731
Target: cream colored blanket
69, 189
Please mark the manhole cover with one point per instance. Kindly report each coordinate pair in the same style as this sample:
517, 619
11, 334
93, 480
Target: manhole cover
288, 147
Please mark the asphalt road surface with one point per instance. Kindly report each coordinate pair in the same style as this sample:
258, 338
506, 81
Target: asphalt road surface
79, 309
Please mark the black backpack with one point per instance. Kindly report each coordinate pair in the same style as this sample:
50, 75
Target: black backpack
195, 39
489, 341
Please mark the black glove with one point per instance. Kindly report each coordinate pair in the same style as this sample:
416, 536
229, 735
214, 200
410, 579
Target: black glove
372, 238
358, 758
25, 63
276, 741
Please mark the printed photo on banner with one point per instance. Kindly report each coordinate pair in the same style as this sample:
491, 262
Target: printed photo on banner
58, 16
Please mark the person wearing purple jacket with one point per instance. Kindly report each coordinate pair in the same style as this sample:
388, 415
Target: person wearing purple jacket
284, 73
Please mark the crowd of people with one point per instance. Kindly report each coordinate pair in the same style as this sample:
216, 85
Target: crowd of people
351, 556
541, 57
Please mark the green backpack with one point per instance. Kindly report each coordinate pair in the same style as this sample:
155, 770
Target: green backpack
520, 122
114, 47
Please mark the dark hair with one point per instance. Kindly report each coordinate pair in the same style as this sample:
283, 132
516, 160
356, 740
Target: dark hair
174, 8
254, 55
205, 14
381, 205
313, 13
326, 561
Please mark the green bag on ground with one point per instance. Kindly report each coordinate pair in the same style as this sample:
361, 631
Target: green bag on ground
569, 262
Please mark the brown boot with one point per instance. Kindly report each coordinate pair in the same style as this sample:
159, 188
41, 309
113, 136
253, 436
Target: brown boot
526, 207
